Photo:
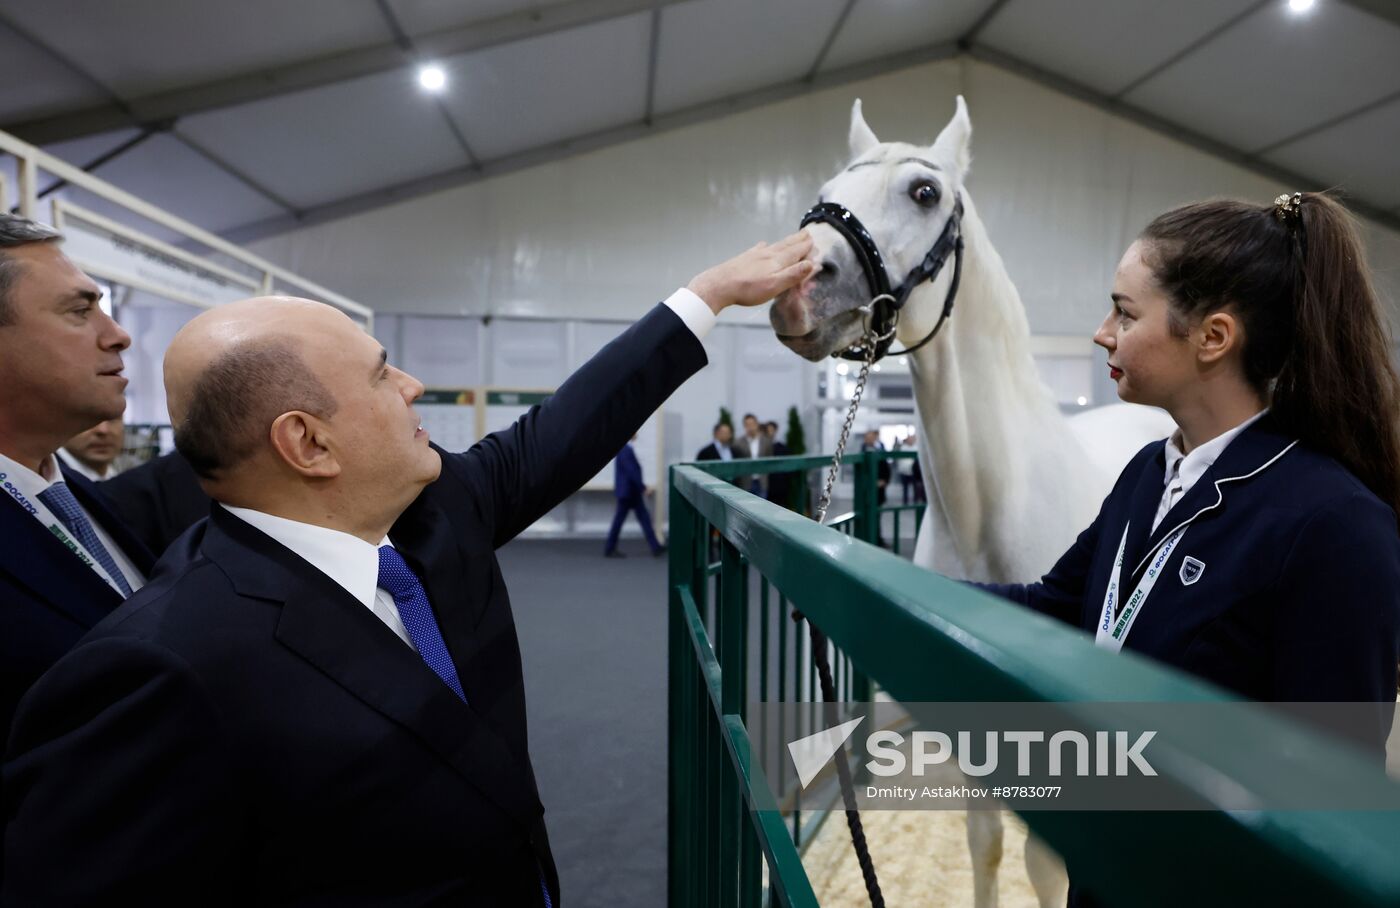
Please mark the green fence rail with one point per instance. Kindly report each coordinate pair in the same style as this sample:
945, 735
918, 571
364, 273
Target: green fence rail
867, 519
923, 638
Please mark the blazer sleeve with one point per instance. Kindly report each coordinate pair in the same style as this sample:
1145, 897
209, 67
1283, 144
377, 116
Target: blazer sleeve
518, 474
117, 784
1336, 612
1060, 593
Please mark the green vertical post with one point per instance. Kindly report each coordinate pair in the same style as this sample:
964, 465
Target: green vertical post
867, 529
733, 631
681, 718
750, 861
867, 506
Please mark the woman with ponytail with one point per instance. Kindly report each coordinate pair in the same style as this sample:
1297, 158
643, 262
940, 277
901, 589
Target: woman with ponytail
1257, 547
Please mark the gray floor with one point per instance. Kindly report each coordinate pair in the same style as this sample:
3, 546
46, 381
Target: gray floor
593, 638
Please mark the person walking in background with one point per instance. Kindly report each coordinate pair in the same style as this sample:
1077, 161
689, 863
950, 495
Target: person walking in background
631, 499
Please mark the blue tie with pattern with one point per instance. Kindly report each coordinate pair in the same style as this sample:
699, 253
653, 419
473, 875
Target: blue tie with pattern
411, 600
65, 507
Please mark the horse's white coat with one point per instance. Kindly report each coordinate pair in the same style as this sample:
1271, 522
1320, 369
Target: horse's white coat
1010, 480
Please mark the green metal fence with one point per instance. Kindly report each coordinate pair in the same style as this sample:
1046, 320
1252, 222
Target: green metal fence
734, 834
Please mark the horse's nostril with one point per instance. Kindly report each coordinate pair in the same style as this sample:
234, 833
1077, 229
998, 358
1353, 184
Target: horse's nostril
827, 272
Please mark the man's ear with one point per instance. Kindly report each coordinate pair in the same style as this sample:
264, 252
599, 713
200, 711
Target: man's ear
300, 441
1218, 335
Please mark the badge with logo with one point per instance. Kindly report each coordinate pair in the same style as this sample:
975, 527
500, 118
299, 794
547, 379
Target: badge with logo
1191, 570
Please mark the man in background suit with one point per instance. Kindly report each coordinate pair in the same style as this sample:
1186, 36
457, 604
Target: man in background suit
66, 560
753, 443
631, 498
719, 448
322, 701
93, 453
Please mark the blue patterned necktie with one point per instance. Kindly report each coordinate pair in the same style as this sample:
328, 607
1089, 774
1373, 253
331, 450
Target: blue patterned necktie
60, 500
411, 600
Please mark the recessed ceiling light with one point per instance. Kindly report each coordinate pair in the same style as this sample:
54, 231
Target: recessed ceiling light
432, 78
1301, 6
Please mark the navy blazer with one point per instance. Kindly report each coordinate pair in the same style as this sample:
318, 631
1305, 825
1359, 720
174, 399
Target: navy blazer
627, 475
159, 500
1298, 598
48, 598
244, 732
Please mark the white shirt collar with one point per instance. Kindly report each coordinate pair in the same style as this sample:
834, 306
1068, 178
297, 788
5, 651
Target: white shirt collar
25, 479
1194, 465
348, 560
77, 466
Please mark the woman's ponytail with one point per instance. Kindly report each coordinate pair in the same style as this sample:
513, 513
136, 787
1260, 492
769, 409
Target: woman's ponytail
1316, 342
1337, 389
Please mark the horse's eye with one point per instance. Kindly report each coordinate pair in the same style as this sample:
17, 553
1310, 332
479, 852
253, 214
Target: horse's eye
925, 192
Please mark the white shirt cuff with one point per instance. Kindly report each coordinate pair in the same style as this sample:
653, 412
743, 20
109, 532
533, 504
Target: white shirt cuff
695, 312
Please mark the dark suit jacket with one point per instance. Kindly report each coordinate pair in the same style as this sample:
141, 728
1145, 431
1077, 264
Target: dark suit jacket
627, 475
1297, 597
159, 500
709, 452
48, 598
244, 732
780, 484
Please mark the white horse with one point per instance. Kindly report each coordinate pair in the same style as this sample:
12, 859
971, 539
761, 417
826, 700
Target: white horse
1011, 480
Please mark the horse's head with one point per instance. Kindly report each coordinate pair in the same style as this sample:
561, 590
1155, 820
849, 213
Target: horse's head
904, 195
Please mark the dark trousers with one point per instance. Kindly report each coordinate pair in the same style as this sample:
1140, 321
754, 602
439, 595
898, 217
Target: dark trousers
631, 505
912, 487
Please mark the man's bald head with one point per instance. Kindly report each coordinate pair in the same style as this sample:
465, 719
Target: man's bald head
232, 371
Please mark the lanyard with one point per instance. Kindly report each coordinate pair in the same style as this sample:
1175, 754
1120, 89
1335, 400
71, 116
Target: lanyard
1114, 626
56, 527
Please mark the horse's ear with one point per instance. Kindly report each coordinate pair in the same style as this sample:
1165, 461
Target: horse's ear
955, 141
862, 136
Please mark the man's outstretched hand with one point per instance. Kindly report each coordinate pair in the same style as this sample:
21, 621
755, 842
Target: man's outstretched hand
756, 276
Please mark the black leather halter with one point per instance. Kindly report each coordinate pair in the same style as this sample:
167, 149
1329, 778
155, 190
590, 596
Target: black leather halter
886, 302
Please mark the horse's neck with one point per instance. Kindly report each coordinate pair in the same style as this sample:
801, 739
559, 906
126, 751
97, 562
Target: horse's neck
991, 432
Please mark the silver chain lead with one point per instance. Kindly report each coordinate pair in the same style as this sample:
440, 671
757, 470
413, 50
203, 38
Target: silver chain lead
825, 501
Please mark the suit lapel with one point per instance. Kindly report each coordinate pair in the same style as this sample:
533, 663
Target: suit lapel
35, 558
1147, 496
95, 503
334, 632
1254, 450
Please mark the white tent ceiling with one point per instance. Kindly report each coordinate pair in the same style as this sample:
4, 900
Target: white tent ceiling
253, 117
